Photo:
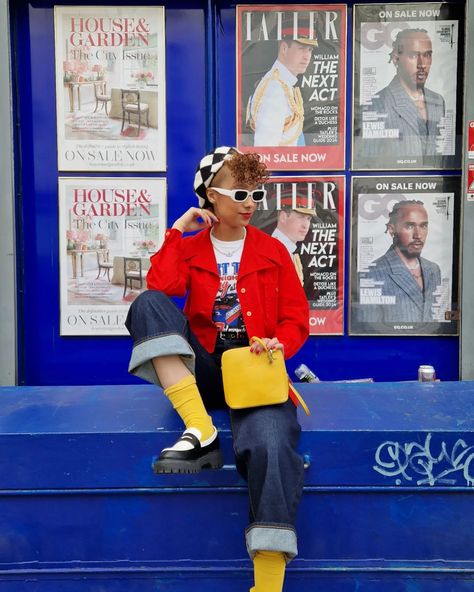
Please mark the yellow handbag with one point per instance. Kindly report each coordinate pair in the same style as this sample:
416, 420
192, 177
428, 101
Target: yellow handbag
252, 380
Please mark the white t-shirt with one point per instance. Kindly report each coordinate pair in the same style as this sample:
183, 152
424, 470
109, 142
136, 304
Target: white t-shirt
227, 314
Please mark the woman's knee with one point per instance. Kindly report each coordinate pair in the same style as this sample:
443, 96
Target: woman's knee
153, 303
152, 312
148, 299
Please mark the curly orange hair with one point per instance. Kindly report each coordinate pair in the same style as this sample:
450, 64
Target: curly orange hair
247, 168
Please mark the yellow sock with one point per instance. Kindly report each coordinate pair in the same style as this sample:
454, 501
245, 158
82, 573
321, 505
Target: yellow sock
269, 571
186, 399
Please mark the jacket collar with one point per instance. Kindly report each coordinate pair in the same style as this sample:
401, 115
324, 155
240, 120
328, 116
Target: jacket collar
257, 253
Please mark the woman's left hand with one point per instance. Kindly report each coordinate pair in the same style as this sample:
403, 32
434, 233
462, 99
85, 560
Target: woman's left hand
271, 343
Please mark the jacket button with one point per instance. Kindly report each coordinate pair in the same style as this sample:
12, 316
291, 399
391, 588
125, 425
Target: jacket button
243, 290
249, 314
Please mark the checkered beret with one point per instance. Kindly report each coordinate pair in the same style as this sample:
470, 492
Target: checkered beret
207, 169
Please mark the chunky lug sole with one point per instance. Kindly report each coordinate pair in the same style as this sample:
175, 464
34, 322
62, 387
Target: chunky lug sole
187, 455
212, 460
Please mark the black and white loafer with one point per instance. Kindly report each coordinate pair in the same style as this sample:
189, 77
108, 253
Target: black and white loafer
189, 455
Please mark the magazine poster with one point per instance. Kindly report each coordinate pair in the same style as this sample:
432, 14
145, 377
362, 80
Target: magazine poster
110, 88
291, 85
108, 229
307, 215
408, 86
404, 255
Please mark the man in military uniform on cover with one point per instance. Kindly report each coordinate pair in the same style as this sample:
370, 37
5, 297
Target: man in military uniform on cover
294, 223
275, 111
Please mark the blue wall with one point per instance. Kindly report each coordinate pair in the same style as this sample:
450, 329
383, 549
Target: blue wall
201, 113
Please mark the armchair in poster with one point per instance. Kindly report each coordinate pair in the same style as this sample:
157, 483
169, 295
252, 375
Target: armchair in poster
408, 86
291, 81
404, 255
307, 215
110, 88
109, 228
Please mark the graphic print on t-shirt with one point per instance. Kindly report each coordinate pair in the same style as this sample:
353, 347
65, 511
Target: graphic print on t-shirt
227, 314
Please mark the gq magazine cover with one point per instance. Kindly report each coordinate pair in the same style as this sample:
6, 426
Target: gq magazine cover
404, 255
408, 86
307, 215
291, 81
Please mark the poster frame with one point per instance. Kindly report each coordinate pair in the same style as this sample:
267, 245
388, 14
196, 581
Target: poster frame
334, 316
76, 68
96, 225
414, 162
451, 184
297, 158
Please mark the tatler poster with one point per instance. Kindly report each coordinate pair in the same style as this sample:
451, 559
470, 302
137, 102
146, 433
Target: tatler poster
404, 255
110, 88
307, 215
108, 230
291, 85
408, 86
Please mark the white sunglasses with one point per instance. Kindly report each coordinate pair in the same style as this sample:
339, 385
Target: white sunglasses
240, 195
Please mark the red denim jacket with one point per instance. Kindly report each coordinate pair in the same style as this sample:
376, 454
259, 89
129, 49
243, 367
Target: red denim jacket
271, 297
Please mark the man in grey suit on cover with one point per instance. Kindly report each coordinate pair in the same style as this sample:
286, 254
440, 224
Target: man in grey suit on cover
403, 118
400, 286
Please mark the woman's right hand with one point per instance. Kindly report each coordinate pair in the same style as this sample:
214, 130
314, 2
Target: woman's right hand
195, 219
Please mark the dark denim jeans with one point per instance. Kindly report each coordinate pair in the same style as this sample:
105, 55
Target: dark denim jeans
265, 438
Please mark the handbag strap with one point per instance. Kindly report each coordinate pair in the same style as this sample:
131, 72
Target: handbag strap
262, 343
292, 392
297, 398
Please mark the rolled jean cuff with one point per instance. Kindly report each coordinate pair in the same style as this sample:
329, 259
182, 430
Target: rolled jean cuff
271, 537
164, 345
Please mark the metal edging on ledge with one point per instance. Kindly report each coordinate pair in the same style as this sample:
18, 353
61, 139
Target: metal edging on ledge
207, 569
158, 490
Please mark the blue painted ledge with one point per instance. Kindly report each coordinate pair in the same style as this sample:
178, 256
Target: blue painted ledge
388, 496
105, 436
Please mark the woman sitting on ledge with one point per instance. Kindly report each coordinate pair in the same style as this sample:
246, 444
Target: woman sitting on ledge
240, 282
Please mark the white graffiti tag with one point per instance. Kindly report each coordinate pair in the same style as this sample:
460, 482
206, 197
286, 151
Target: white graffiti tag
411, 460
